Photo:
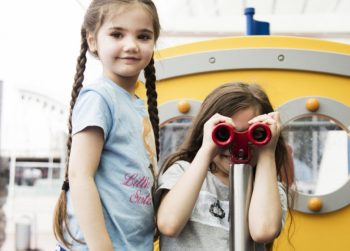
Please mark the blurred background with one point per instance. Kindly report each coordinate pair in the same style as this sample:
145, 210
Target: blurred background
39, 43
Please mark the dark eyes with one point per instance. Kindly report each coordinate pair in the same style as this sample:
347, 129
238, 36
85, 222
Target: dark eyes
117, 34
143, 37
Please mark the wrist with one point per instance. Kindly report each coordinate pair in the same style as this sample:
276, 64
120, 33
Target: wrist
206, 152
266, 153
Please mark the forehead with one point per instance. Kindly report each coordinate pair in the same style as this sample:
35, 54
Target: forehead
241, 117
129, 15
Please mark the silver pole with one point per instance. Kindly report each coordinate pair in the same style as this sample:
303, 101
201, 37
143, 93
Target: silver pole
241, 183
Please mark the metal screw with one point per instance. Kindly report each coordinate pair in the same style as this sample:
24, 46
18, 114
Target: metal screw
212, 60
280, 57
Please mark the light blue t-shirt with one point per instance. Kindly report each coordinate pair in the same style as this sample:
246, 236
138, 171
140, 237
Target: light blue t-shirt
123, 178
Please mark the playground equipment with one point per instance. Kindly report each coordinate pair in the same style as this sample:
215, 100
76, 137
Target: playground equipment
294, 72
240, 176
239, 143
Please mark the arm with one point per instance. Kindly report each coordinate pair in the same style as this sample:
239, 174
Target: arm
84, 159
265, 213
177, 204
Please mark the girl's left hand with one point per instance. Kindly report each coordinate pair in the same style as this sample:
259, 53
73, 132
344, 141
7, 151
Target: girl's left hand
271, 119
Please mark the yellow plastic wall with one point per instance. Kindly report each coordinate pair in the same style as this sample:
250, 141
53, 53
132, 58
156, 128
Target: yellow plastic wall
308, 232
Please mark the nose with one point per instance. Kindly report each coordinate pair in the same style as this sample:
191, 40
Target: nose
131, 45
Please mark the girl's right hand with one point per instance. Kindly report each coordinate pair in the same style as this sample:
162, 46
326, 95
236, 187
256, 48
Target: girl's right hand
208, 142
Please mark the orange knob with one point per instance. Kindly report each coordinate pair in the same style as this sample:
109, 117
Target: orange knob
312, 104
315, 204
183, 106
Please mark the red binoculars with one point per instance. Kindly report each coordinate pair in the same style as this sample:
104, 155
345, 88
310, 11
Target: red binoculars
225, 136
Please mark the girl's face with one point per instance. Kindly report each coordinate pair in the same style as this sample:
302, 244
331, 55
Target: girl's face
124, 44
223, 159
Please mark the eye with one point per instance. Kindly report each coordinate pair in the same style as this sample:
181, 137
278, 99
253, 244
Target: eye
144, 37
117, 34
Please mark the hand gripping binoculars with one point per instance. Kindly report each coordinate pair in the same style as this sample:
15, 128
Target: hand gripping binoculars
225, 136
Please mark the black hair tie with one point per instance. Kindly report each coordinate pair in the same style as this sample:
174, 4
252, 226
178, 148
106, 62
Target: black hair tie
65, 186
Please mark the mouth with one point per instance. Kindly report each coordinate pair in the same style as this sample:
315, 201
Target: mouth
129, 58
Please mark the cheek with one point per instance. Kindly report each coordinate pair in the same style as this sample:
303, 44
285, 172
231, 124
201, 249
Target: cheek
107, 52
224, 160
148, 52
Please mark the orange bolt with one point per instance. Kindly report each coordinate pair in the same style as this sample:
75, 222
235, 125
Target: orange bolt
315, 204
312, 104
183, 106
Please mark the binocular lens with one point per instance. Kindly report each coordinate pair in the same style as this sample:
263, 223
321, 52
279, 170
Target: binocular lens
222, 134
259, 134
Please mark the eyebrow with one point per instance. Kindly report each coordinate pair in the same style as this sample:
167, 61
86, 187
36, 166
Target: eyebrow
121, 29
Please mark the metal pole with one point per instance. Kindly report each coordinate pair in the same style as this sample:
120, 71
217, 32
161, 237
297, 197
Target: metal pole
241, 183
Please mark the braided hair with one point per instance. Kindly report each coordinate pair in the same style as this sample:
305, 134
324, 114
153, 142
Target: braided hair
93, 20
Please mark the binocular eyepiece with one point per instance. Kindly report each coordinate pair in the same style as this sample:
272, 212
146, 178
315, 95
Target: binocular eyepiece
224, 135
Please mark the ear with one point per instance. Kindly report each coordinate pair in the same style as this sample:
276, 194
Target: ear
91, 42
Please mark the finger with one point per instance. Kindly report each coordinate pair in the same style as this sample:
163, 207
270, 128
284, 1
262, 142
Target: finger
274, 115
270, 121
218, 118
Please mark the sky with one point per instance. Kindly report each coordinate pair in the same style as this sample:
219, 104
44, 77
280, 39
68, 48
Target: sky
40, 39
39, 44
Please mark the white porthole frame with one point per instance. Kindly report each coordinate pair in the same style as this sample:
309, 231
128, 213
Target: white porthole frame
169, 111
338, 112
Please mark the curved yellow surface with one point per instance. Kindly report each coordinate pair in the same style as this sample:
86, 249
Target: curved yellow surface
316, 232
254, 42
308, 232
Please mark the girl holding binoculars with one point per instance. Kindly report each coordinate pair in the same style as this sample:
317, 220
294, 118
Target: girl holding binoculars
193, 187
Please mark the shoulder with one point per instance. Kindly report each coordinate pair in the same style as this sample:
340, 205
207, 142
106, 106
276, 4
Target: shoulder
178, 166
99, 93
283, 196
99, 86
182, 164
173, 172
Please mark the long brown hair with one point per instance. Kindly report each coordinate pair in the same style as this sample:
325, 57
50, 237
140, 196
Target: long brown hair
94, 17
226, 100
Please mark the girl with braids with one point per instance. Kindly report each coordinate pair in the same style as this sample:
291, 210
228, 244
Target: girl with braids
106, 200
194, 181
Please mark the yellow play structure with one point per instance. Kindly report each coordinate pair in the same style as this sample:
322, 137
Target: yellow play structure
308, 81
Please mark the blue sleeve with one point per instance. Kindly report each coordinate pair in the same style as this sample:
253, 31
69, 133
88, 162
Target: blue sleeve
91, 109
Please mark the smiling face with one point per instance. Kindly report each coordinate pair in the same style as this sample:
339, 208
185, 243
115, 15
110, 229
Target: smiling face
124, 44
222, 161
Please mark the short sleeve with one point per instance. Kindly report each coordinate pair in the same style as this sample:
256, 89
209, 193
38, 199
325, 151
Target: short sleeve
91, 109
284, 204
170, 177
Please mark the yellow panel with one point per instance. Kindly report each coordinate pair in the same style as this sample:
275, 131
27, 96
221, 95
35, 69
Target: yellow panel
316, 232
281, 86
308, 232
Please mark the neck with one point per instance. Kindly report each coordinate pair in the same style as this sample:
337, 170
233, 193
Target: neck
127, 83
